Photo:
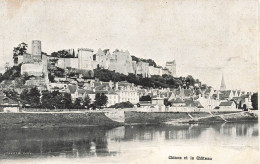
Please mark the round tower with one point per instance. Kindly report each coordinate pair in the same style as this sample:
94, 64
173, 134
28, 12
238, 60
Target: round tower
36, 48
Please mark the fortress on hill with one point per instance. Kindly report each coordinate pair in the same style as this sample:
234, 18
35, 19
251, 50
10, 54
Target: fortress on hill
85, 59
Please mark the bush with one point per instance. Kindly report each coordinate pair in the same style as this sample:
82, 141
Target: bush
145, 98
122, 105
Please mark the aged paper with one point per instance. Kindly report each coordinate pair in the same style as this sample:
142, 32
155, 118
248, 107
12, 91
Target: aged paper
216, 42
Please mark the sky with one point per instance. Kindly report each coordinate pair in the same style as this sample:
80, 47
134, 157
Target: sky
205, 37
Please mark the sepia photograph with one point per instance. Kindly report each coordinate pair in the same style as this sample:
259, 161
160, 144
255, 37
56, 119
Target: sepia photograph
129, 81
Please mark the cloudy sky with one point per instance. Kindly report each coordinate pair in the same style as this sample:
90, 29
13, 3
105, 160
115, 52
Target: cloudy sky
205, 37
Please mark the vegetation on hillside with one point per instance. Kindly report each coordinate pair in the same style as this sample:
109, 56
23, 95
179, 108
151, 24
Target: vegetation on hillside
122, 105
63, 54
11, 73
150, 61
19, 50
155, 81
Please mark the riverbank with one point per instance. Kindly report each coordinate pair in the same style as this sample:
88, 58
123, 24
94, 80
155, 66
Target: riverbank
133, 117
116, 118
62, 119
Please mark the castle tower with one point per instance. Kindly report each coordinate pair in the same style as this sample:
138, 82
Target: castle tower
85, 57
36, 49
223, 85
171, 66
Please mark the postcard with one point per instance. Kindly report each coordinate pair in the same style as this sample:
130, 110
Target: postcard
129, 81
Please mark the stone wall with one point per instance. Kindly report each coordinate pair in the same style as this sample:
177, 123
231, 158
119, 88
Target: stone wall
35, 69
68, 62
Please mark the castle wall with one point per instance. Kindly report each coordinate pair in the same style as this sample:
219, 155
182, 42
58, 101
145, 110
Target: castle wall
155, 71
35, 69
134, 67
121, 62
85, 57
27, 58
143, 69
20, 59
68, 62
102, 59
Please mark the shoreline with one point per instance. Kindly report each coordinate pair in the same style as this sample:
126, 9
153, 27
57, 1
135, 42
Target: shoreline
116, 119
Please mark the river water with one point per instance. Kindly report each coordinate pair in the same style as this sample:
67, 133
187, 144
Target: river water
96, 143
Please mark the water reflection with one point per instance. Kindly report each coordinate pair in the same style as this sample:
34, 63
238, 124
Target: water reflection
103, 141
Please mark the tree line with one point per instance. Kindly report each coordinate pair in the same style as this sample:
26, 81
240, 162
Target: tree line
56, 100
155, 81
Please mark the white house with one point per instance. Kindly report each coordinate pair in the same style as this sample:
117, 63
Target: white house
127, 92
8, 105
227, 105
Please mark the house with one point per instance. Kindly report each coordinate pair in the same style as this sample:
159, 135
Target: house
127, 92
112, 97
227, 105
192, 103
228, 95
158, 103
177, 102
8, 105
208, 102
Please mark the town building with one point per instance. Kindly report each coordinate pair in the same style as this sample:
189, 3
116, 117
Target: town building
227, 105
8, 105
127, 92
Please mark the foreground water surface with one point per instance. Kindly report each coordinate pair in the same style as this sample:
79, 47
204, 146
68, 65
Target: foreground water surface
94, 142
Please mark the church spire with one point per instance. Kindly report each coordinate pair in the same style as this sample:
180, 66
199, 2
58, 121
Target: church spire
223, 85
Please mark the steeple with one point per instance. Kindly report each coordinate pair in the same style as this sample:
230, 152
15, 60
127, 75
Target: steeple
223, 85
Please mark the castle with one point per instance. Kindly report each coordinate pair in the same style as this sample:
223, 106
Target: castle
85, 59
34, 63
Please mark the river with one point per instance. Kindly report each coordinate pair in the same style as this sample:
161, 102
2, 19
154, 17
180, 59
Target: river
106, 143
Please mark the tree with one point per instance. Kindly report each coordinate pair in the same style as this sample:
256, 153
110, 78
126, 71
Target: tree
190, 81
66, 100
86, 102
12, 94
31, 97
56, 100
77, 104
122, 105
18, 51
254, 100
63, 54
166, 102
100, 100
145, 98
12, 73
46, 100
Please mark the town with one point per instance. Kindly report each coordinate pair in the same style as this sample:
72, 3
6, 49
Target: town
81, 79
